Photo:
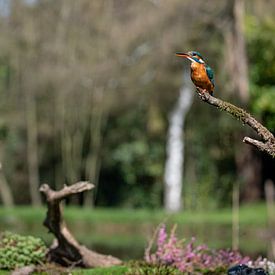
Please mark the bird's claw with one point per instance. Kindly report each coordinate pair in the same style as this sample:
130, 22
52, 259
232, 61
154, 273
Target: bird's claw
203, 93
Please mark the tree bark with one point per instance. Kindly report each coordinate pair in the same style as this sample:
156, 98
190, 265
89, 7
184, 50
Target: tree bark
175, 150
65, 249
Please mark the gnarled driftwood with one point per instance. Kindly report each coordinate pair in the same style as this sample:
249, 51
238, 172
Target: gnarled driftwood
65, 249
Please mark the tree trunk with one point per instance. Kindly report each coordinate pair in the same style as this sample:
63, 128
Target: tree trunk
32, 148
5, 191
236, 216
249, 170
236, 57
247, 163
175, 149
93, 162
270, 198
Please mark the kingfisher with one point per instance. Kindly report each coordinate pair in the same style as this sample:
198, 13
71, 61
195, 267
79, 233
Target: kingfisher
201, 74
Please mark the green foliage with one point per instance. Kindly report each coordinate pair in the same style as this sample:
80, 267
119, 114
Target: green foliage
17, 251
264, 98
134, 164
261, 44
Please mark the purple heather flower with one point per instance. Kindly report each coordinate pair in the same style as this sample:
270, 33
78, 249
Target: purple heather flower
190, 258
162, 235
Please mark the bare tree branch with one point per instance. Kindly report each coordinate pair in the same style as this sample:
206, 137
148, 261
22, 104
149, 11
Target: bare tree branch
268, 143
66, 191
268, 147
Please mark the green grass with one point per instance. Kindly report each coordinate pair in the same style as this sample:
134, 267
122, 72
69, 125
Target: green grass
254, 214
115, 270
125, 232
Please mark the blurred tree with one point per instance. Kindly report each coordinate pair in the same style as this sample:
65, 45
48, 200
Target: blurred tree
247, 160
262, 62
173, 173
235, 57
100, 82
5, 190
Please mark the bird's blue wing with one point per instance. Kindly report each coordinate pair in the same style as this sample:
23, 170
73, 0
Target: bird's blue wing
210, 74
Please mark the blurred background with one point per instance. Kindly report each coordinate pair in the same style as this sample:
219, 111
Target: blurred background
92, 90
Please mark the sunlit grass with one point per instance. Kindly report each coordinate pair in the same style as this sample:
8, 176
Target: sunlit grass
254, 214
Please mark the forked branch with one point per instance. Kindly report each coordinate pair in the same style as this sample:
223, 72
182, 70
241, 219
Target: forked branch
268, 140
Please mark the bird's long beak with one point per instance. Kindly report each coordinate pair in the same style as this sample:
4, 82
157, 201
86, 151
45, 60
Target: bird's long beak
183, 55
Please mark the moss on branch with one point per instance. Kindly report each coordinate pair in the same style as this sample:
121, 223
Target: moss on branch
268, 141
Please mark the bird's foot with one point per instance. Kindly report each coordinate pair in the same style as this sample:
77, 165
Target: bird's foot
203, 93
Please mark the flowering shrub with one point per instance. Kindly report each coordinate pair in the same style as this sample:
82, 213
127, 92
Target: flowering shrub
189, 258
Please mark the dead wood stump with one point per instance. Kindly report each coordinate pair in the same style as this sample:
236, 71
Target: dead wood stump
65, 249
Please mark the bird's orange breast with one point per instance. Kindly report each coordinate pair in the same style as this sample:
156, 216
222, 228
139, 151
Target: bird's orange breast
200, 77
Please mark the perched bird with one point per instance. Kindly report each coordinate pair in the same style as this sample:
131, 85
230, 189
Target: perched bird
201, 74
